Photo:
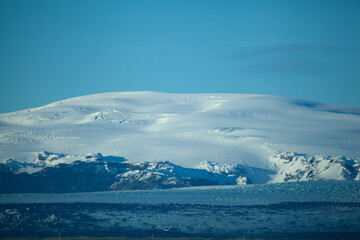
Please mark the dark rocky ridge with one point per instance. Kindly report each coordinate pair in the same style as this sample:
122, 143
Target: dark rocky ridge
56, 173
99, 175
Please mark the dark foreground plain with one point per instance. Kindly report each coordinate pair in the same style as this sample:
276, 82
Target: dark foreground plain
175, 238
305, 220
300, 210
179, 238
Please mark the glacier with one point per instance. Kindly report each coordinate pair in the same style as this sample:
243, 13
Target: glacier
198, 139
184, 129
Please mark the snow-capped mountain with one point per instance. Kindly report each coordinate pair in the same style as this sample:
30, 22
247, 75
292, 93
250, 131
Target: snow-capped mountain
300, 167
52, 172
182, 128
234, 138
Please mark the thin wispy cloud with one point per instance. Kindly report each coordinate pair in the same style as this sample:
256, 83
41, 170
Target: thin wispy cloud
289, 59
295, 49
286, 67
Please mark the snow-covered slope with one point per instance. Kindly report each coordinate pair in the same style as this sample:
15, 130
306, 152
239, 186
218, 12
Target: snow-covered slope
300, 167
184, 129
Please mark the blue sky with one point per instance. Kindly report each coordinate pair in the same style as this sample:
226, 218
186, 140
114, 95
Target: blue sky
53, 50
